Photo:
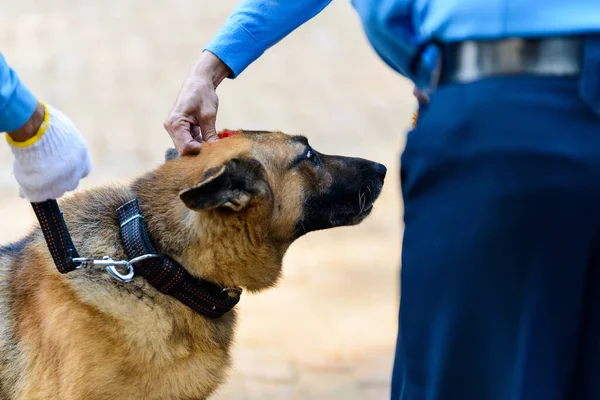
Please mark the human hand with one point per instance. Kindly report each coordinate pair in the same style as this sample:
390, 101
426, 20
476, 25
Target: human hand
193, 116
50, 155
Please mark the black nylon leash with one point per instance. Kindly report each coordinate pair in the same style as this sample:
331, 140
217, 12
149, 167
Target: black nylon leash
56, 234
161, 271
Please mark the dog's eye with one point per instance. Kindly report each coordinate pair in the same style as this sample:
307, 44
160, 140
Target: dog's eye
311, 156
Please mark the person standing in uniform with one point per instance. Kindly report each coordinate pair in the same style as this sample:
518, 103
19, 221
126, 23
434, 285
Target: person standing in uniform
500, 279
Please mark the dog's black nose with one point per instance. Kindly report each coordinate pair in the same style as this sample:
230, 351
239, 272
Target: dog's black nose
381, 170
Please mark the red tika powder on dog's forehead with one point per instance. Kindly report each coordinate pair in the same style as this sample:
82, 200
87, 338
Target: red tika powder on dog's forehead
225, 133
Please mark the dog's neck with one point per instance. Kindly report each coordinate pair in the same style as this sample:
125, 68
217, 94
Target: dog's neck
229, 250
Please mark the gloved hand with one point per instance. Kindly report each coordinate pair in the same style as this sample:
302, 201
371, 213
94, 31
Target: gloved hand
51, 162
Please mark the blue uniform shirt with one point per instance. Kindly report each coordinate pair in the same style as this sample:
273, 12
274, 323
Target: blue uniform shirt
16, 101
395, 28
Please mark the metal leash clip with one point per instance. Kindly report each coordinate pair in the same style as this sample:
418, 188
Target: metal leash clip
112, 266
236, 290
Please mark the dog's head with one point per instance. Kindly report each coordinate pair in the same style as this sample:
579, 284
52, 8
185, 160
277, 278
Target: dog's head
304, 190
262, 188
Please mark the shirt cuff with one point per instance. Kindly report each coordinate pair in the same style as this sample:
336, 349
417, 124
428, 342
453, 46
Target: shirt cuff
17, 109
235, 46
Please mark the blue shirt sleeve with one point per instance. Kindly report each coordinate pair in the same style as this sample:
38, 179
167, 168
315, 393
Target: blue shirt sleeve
17, 103
389, 26
256, 25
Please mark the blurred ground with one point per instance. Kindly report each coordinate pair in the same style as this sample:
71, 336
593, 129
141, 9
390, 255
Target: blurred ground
115, 67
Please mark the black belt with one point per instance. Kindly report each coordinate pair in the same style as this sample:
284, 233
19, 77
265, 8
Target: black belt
471, 60
161, 271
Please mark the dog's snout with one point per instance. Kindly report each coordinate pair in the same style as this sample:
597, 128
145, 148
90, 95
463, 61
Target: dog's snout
381, 170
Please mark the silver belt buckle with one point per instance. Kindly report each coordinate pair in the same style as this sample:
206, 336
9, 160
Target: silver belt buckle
472, 60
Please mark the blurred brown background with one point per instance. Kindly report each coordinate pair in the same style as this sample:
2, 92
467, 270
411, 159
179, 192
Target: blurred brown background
115, 67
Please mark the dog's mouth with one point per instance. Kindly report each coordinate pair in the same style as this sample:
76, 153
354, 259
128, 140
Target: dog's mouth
366, 199
347, 213
354, 217
364, 213
346, 219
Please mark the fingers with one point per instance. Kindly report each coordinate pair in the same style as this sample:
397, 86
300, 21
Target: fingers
191, 148
56, 163
180, 131
209, 133
207, 122
193, 117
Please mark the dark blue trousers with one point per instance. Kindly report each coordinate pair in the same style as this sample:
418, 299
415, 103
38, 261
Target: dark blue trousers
500, 283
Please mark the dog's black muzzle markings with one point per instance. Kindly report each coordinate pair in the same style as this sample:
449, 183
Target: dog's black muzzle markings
349, 199
161, 271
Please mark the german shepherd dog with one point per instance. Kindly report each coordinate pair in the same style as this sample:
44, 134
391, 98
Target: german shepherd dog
227, 215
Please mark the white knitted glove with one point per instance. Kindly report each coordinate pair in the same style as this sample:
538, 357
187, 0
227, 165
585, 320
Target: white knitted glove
53, 161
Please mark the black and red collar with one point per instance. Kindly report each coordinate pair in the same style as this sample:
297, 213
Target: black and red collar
161, 271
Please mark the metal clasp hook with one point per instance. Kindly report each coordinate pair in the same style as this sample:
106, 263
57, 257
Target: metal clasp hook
123, 277
113, 266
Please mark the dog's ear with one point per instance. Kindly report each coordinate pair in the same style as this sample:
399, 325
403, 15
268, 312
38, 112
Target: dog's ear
171, 154
232, 186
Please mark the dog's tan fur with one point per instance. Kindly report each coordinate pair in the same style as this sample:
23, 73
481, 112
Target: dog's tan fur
86, 336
